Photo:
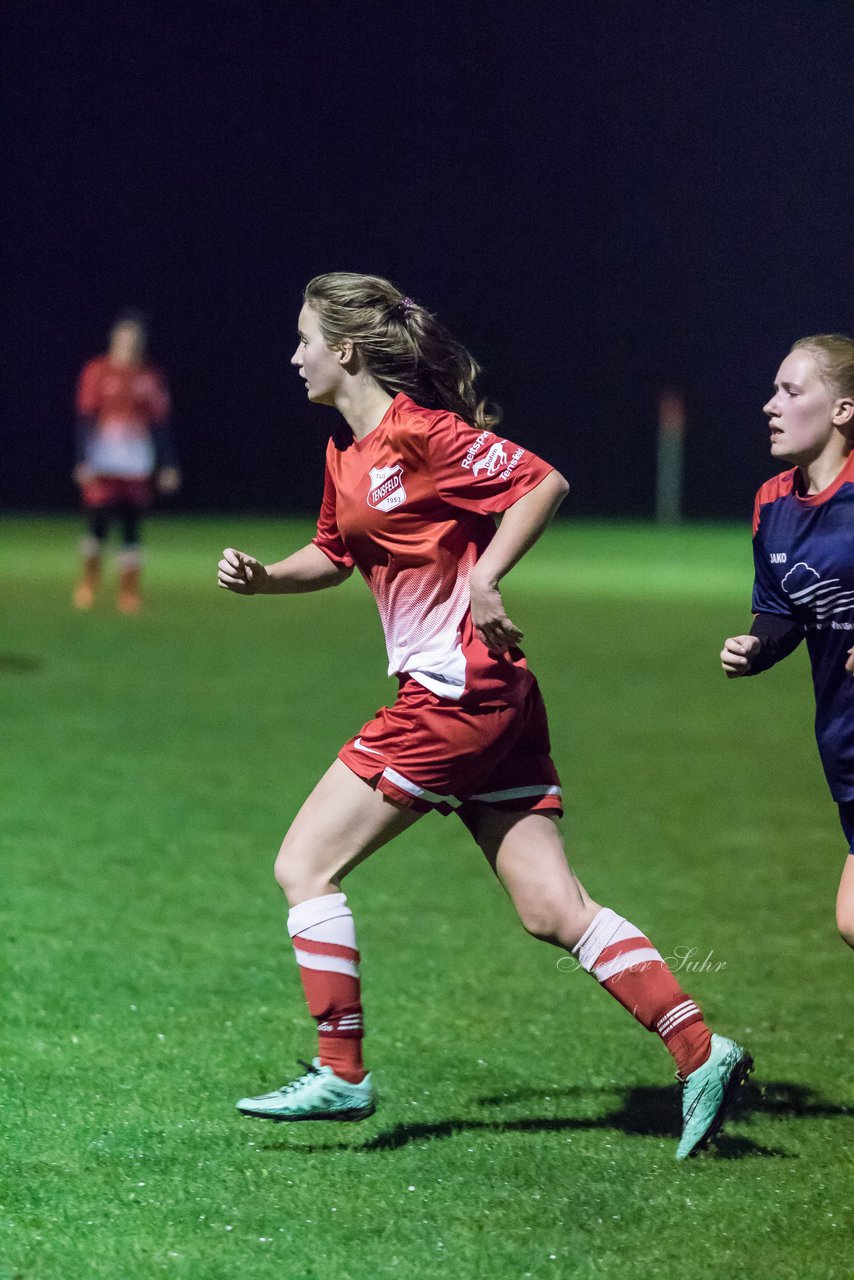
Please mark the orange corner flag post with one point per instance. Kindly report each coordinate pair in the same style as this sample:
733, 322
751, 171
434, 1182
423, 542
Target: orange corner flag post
671, 438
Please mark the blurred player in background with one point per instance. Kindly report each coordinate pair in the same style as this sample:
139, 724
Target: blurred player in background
412, 486
124, 454
803, 552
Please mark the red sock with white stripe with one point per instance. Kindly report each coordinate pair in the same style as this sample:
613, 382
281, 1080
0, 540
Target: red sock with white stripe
627, 965
324, 939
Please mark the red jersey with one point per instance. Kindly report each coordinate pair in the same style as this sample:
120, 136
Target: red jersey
411, 505
124, 402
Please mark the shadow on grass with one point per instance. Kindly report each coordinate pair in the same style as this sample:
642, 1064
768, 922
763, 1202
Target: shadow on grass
19, 664
771, 1097
644, 1111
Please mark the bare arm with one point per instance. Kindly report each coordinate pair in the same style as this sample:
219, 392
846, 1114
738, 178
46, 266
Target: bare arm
308, 569
521, 526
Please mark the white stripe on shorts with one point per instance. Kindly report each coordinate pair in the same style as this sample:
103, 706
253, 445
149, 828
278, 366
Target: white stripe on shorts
517, 793
420, 793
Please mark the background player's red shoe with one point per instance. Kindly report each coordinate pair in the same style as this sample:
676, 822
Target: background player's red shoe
87, 588
129, 599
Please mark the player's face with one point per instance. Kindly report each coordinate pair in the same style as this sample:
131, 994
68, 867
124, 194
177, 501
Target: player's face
127, 342
319, 365
800, 412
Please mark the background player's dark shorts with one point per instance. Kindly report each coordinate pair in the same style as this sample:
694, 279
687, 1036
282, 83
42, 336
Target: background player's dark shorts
428, 752
846, 817
112, 491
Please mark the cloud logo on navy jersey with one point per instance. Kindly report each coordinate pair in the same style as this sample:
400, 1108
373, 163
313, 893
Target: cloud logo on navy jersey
825, 601
800, 578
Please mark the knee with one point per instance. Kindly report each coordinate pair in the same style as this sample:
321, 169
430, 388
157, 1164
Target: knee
562, 923
297, 877
289, 875
538, 921
544, 922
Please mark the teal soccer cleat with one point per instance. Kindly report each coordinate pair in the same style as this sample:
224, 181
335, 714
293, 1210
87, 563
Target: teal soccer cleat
708, 1092
318, 1095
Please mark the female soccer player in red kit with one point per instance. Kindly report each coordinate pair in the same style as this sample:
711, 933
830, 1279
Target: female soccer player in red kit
124, 452
803, 551
412, 486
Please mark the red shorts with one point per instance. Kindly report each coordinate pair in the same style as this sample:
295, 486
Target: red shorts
427, 752
112, 491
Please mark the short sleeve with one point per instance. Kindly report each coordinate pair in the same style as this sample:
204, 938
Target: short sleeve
768, 595
328, 537
479, 470
89, 389
159, 400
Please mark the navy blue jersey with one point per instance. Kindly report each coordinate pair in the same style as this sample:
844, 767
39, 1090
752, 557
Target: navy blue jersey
803, 553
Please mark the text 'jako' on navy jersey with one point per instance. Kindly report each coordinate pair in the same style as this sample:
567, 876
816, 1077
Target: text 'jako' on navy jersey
803, 552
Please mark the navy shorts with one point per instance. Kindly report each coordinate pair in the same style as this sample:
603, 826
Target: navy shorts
846, 817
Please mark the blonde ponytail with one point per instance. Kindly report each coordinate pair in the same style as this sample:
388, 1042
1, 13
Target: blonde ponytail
403, 345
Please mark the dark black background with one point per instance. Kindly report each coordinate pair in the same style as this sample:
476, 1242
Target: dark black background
597, 197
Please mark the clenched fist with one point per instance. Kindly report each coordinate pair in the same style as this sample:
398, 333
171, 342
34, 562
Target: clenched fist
241, 573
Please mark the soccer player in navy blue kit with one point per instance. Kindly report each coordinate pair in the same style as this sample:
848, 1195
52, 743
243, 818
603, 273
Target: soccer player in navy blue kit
803, 551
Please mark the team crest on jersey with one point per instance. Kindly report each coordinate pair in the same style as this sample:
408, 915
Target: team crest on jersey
386, 491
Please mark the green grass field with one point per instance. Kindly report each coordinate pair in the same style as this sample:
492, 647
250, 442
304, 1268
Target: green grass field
148, 769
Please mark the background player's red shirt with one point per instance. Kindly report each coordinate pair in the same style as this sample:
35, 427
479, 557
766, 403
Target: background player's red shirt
123, 403
411, 506
134, 395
